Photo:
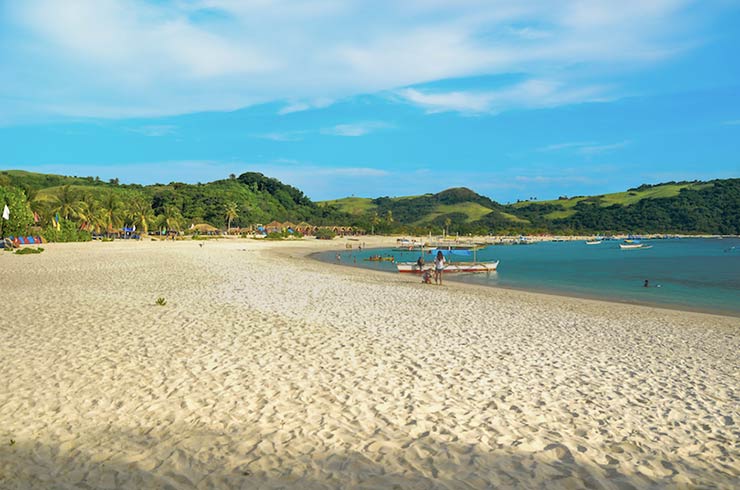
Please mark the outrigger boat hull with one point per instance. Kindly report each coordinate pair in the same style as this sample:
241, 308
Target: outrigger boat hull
412, 267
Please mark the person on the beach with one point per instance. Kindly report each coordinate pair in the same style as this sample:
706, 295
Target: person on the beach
420, 263
439, 265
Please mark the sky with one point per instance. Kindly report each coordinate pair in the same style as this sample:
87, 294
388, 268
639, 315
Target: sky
515, 99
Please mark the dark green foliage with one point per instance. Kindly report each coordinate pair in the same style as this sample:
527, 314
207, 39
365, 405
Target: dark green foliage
712, 209
325, 234
21, 216
67, 232
29, 251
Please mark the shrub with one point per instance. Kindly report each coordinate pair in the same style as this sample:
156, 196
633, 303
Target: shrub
325, 234
161, 301
27, 251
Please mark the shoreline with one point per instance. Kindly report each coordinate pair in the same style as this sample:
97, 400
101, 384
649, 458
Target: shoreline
544, 291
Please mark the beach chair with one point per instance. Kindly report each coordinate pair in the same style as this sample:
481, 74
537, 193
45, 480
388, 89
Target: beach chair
30, 240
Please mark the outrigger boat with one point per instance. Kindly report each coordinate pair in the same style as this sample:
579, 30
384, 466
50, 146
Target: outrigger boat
474, 266
413, 267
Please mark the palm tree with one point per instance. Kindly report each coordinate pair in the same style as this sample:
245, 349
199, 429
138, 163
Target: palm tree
141, 213
89, 212
112, 211
232, 212
66, 202
448, 222
171, 217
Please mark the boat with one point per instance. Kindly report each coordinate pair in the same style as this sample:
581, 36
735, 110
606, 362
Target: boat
593, 242
378, 258
634, 246
413, 267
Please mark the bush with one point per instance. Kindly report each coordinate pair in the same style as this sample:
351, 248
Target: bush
67, 232
28, 251
325, 234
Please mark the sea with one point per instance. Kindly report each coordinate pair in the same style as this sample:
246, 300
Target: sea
694, 274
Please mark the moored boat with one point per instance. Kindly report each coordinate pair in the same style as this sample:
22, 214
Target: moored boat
593, 242
633, 246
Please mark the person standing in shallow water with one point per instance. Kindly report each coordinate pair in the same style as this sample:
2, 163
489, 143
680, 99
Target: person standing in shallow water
439, 266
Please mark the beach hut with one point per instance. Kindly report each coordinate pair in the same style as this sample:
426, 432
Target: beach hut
205, 229
274, 227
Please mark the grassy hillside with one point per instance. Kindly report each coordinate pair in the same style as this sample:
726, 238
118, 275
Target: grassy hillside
626, 198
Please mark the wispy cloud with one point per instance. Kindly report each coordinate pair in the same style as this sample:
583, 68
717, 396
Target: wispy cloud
155, 130
531, 94
282, 135
356, 129
585, 148
734, 122
347, 130
127, 58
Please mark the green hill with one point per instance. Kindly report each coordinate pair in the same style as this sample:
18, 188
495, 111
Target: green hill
672, 207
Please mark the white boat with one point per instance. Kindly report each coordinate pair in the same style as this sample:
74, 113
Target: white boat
633, 246
413, 267
593, 242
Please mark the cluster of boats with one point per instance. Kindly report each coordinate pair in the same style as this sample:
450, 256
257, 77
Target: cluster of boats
629, 244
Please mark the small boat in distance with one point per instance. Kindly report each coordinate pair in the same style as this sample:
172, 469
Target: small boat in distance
634, 246
593, 242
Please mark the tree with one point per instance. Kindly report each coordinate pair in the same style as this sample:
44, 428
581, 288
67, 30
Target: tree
232, 212
141, 213
111, 211
448, 222
171, 218
66, 202
21, 216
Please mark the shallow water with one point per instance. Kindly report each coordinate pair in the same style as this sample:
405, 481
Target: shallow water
692, 274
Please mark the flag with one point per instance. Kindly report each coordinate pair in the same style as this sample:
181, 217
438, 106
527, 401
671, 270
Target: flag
6, 213
134, 228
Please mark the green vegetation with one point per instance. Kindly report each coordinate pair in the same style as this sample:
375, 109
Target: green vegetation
325, 234
29, 251
74, 208
161, 301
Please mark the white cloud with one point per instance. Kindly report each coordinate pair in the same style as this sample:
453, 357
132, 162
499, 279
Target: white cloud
530, 94
356, 129
348, 130
123, 58
585, 148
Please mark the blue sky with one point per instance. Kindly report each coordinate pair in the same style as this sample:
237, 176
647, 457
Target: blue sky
512, 98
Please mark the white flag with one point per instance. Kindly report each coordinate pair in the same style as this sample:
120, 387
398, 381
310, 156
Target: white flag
6, 213
134, 228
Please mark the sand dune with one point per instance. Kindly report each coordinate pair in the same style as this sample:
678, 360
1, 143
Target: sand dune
269, 370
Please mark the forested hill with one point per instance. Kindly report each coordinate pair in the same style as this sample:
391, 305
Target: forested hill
675, 207
240, 201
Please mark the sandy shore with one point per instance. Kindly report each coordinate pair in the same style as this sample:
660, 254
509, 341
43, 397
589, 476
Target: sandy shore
268, 370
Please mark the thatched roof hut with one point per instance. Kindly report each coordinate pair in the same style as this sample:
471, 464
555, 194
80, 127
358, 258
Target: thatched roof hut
205, 228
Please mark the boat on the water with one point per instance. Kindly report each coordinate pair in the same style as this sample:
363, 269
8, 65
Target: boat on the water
634, 246
378, 258
593, 242
413, 267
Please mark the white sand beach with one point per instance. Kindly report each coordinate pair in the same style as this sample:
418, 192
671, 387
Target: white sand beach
266, 369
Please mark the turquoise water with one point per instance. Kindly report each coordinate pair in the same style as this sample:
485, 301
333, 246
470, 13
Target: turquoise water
692, 274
